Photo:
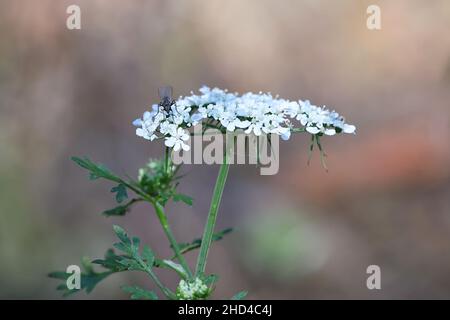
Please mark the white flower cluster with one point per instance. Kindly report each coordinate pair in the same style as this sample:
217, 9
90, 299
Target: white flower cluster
192, 290
254, 113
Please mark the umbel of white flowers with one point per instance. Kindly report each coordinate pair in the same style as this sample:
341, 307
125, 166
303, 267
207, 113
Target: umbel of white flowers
254, 113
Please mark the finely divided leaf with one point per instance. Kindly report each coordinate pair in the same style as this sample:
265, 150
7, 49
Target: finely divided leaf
148, 256
89, 280
111, 261
121, 192
96, 170
122, 235
182, 197
195, 244
176, 267
117, 211
122, 209
138, 293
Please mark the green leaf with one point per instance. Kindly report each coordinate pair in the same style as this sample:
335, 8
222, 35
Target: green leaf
117, 211
240, 295
136, 242
211, 279
121, 210
131, 264
121, 192
122, 235
111, 261
138, 293
96, 170
148, 256
196, 243
176, 267
89, 279
122, 247
182, 197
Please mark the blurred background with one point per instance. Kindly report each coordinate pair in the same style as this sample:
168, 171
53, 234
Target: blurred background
302, 234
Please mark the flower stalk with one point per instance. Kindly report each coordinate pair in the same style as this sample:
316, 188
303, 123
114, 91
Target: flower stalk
212, 216
162, 217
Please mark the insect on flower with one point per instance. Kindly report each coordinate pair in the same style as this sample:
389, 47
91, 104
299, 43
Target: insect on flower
165, 96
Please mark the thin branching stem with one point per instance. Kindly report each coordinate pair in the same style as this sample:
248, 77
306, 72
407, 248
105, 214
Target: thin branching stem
166, 291
173, 242
212, 216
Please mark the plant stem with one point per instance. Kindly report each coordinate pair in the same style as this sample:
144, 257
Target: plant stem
212, 216
176, 248
167, 160
169, 294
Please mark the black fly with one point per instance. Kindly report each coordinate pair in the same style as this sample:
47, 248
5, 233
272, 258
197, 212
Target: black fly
165, 96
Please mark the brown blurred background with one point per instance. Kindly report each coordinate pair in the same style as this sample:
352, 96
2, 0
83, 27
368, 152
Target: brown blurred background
301, 234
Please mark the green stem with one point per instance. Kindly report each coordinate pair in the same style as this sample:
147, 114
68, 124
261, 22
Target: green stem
173, 242
212, 216
167, 160
169, 294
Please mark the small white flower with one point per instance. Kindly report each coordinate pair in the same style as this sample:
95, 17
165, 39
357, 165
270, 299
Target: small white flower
166, 127
196, 118
177, 140
137, 123
348, 128
255, 128
285, 133
306, 106
257, 114
313, 130
329, 131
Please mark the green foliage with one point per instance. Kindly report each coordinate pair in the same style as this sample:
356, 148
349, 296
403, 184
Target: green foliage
121, 210
196, 243
174, 266
111, 261
138, 293
240, 295
158, 180
132, 259
121, 192
184, 198
96, 170
211, 279
89, 278
157, 183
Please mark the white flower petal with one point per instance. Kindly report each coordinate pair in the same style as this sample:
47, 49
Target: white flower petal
312, 130
285, 136
147, 116
257, 131
170, 142
348, 128
140, 132
330, 132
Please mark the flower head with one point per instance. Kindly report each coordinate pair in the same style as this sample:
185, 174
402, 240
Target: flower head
254, 113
